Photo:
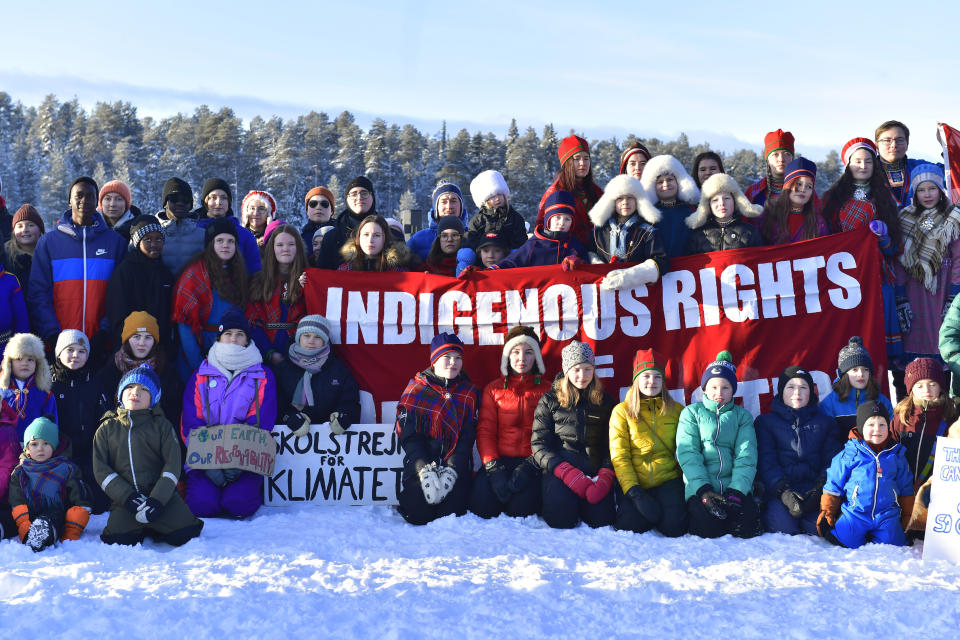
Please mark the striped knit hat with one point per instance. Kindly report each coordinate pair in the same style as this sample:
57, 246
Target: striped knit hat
778, 140
647, 359
722, 367
799, 168
570, 146
853, 145
141, 226
925, 172
557, 203
314, 323
444, 343
146, 377
631, 151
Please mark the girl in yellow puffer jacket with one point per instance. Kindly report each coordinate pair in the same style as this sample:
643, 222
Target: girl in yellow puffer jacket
643, 442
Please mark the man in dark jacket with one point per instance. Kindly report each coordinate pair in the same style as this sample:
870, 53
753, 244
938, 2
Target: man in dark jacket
361, 202
184, 238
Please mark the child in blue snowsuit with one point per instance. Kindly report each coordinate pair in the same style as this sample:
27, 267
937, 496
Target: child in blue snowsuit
868, 496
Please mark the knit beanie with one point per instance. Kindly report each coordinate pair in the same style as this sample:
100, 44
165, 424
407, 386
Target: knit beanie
115, 186
521, 334
647, 359
270, 228
868, 410
792, 372
145, 376
450, 223
43, 428
444, 343
853, 355
28, 213
140, 321
631, 151
925, 172
314, 323
924, 369
570, 146
176, 186
212, 184
853, 145
218, 226
799, 168
68, 337
233, 319
83, 179
363, 182
557, 203
445, 186
778, 140
722, 367
141, 226
575, 353
319, 191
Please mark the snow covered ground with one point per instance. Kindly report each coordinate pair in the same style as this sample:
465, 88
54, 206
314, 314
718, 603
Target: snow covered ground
359, 572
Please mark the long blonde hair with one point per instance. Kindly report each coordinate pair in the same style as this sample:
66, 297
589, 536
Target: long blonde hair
569, 395
635, 397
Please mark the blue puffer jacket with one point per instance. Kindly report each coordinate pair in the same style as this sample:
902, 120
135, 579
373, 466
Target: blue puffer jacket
545, 248
420, 242
794, 445
870, 482
845, 412
184, 239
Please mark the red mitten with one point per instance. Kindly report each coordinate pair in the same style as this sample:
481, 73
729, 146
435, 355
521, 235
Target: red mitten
466, 272
570, 263
599, 489
573, 478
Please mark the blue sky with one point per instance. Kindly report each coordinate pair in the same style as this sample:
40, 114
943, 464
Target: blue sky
827, 71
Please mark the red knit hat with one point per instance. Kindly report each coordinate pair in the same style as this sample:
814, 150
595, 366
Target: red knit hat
924, 369
779, 139
570, 146
29, 213
853, 145
319, 191
647, 359
115, 186
630, 151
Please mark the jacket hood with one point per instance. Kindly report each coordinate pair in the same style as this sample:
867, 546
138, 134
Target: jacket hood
623, 185
659, 165
720, 183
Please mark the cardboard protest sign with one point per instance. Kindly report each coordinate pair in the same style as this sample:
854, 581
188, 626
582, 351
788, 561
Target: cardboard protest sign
232, 446
942, 538
361, 466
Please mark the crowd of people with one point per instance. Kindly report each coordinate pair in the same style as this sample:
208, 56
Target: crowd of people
122, 333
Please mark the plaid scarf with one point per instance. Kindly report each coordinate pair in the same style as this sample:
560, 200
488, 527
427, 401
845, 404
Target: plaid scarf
447, 408
193, 298
44, 484
926, 236
266, 315
855, 214
125, 362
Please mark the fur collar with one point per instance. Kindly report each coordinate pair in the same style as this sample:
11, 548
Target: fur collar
397, 254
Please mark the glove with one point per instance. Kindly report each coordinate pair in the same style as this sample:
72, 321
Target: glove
923, 494
713, 502
523, 474
829, 510
793, 501
299, 424
499, 483
149, 511
573, 478
613, 280
904, 315
648, 507
335, 425
216, 476
811, 499
647, 272
448, 478
734, 500
599, 489
878, 228
229, 475
41, 534
570, 263
133, 503
466, 271
430, 483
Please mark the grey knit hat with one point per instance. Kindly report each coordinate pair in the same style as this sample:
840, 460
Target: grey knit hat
853, 355
313, 324
575, 353
68, 337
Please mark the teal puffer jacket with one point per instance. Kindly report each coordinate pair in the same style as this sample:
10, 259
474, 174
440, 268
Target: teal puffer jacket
716, 445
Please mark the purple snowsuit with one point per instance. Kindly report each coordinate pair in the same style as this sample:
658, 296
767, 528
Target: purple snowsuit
210, 399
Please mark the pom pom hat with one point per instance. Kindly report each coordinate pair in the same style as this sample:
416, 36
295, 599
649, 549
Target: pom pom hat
722, 367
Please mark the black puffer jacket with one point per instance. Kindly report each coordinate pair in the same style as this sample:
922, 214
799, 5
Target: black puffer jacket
505, 221
334, 389
344, 225
578, 435
644, 242
140, 283
77, 394
712, 237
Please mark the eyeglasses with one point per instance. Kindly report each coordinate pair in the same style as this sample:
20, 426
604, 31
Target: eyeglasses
889, 142
323, 204
363, 194
451, 235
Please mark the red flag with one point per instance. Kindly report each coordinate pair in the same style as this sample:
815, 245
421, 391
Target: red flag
950, 140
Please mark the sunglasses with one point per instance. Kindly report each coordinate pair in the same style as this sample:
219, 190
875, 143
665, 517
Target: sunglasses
323, 204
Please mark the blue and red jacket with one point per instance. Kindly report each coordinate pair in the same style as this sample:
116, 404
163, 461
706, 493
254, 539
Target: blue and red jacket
544, 248
68, 280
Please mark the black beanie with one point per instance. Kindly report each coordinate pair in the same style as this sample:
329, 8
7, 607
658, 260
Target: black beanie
90, 181
360, 181
868, 410
211, 184
218, 226
450, 223
794, 371
175, 185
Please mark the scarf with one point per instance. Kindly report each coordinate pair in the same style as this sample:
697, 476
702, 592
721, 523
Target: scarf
125, 362
619, 233
446, 406
21, 388
44, 484
311, 361
926, 236
230, 359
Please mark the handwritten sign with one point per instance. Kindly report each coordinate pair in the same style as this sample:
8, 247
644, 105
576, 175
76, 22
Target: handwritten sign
361, 466
232, 446
942, 538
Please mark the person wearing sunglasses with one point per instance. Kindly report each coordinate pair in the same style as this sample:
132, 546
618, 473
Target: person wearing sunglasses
319, 203
361, 202
184, 238
216, 201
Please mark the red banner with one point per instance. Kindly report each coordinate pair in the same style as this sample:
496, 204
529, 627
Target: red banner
770, 307
950, 141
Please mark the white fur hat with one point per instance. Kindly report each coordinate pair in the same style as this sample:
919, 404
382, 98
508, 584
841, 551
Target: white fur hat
720, 183
623, 185
25, 345
486, 185
521, 334
659, 165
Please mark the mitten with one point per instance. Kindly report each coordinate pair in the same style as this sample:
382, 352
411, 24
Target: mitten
904, 315
599, 489
648, 507
829, 510
466, 258
430, 483
229, 475
573, 478
499, 482
448, 478
149, 511
523, 474
299, 424
923, 494
216, 476
75, 522
878, 228
811, 499
713, 502
792, 501
906, 510
335, 425
734, 500
132, 503
570, 263
41, 534
647, 272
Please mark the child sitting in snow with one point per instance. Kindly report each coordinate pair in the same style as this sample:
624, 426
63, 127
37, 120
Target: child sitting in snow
868, 496
47, 495
855, 385
25, 381
137, 461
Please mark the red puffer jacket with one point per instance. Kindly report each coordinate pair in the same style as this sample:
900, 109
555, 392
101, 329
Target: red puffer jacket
506, 416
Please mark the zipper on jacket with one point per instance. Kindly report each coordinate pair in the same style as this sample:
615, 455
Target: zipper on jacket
876, 485
796, 431
83, 317
716, 438
923, 427
133, 472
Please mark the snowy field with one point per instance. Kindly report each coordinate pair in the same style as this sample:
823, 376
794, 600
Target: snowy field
361, 572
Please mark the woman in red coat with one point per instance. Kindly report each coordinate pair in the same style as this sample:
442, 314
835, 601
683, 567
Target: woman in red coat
576, 176
510, 480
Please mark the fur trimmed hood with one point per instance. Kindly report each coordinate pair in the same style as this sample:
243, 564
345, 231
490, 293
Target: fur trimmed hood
398, 255
26, 345
719, 183
659, 165
623, 185
486, 185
